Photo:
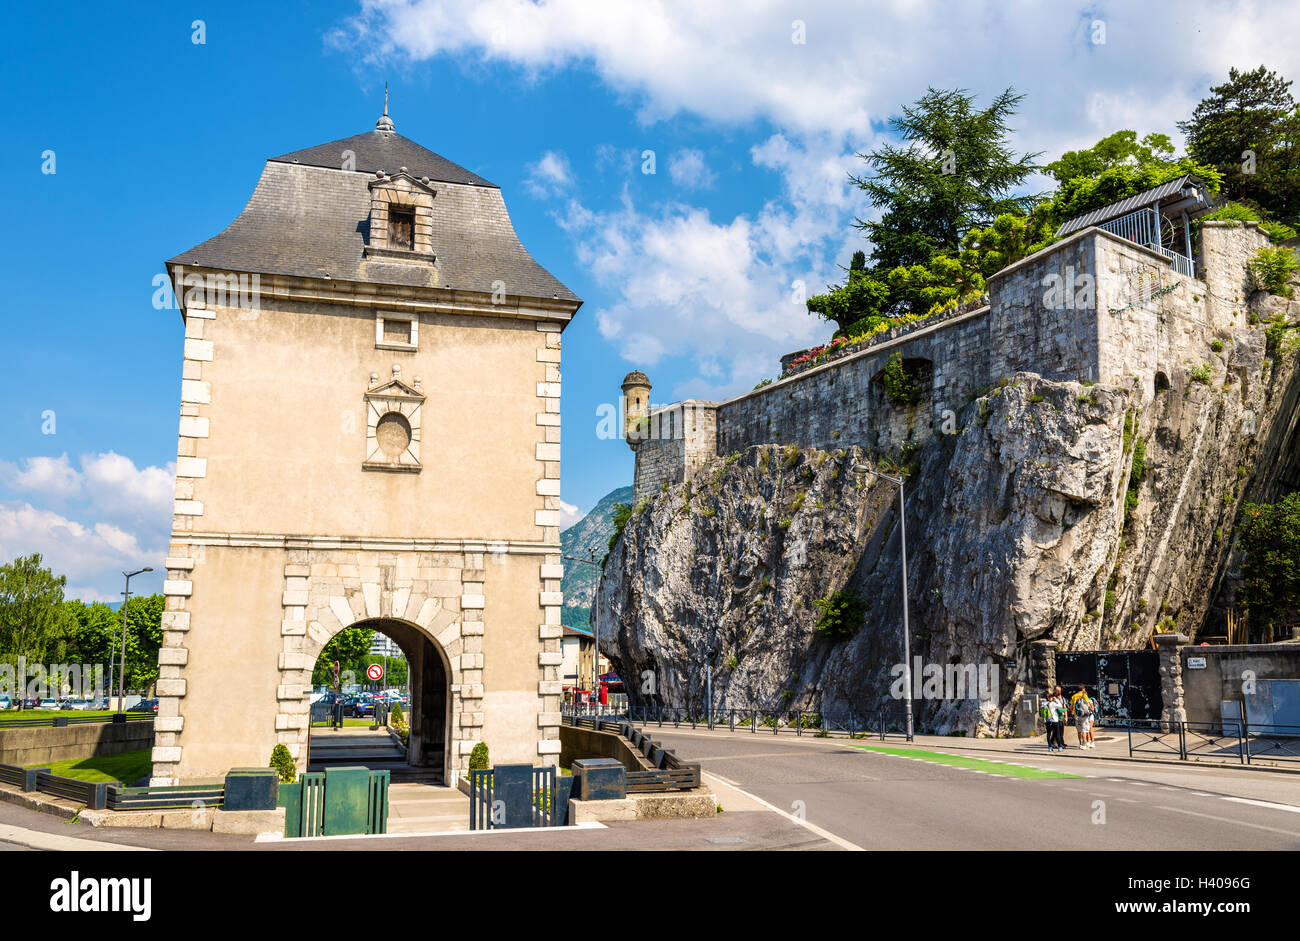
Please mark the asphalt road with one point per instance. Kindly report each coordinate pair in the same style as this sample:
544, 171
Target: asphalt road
818, 794
884, 801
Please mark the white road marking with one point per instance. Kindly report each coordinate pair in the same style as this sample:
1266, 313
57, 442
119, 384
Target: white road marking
1289, 808
40, 840
808, 825
1239, 823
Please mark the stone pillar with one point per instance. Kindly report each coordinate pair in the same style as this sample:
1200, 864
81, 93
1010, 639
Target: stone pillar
1171, 677
1042, 663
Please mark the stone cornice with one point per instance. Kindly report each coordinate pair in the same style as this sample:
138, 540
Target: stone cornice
364, 543
396, 297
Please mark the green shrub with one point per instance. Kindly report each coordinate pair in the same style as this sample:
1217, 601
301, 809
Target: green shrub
1271, 269
1202, 373
478, 758
1276, 340
397, 722
1231, 212
899, 384
841, 614
1278, 231
282, 762
1217, 346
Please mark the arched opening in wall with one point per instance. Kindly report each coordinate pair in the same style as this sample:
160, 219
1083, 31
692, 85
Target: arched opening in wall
1162, 383
415, 679
903, 382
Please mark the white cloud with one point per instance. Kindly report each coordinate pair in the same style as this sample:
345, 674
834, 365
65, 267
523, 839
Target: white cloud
569, 514
52, 476
857, 64
550, 175
123, 492
718, 290
111, 516
93, 554
722, 291
689, 170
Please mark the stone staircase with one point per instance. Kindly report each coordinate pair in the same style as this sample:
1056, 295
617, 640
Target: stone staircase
418, 801
425, 808
375, 750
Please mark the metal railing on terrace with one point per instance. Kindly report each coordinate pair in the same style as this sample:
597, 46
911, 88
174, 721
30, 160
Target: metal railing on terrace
1143, 228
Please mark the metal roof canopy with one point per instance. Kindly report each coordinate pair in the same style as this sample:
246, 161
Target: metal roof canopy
1185, 194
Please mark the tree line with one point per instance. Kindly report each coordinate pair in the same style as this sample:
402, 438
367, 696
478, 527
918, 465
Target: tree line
41, 626
948, 209
38, 624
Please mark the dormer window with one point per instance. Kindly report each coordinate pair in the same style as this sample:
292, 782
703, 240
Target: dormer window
401, 229
401, 218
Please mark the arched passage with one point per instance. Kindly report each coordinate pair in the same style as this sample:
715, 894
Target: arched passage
429, 714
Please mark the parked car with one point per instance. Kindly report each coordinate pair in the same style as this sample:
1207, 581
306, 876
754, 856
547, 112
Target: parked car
78, 704
144, 705
48, 704
5, 702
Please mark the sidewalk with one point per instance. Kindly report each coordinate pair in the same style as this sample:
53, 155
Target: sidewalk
1111, 745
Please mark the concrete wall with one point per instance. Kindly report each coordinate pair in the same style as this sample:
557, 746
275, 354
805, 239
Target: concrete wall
586, 743
23, 747
1224, 672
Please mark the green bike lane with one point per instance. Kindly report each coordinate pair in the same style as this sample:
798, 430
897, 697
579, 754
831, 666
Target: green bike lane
880, 795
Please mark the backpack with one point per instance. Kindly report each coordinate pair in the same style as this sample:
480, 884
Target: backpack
1084, 708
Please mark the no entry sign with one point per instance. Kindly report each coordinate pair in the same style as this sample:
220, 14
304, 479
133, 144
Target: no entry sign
375, 671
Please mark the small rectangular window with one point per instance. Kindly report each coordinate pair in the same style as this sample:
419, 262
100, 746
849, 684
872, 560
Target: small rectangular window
397, 331
401, 229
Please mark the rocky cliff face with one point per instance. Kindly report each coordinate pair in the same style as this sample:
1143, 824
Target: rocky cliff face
1033, 520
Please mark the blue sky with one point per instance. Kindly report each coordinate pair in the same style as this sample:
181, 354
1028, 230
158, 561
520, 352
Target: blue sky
690, 273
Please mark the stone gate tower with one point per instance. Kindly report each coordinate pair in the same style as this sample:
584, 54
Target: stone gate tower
369, 436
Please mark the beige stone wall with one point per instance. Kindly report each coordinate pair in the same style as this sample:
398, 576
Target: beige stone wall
281, 537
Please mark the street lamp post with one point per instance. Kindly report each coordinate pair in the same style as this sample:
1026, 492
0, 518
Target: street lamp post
907, 637
121, 668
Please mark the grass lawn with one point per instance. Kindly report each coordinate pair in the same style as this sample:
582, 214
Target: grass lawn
126, 768
13, 715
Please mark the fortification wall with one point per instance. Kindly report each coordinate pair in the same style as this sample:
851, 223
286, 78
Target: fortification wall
680, 439
843, 402
1091, 308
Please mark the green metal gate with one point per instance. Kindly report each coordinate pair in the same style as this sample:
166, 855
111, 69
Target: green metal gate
335, 802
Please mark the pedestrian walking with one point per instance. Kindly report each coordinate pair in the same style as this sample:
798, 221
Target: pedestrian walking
1085, 714
1054, 716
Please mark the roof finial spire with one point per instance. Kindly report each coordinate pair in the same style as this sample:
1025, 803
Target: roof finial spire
385, 123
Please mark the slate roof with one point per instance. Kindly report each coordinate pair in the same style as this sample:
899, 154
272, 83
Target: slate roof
310, 219
387, 151
1124, 206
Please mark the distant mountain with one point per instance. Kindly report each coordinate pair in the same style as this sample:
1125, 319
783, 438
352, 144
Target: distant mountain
587, 536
